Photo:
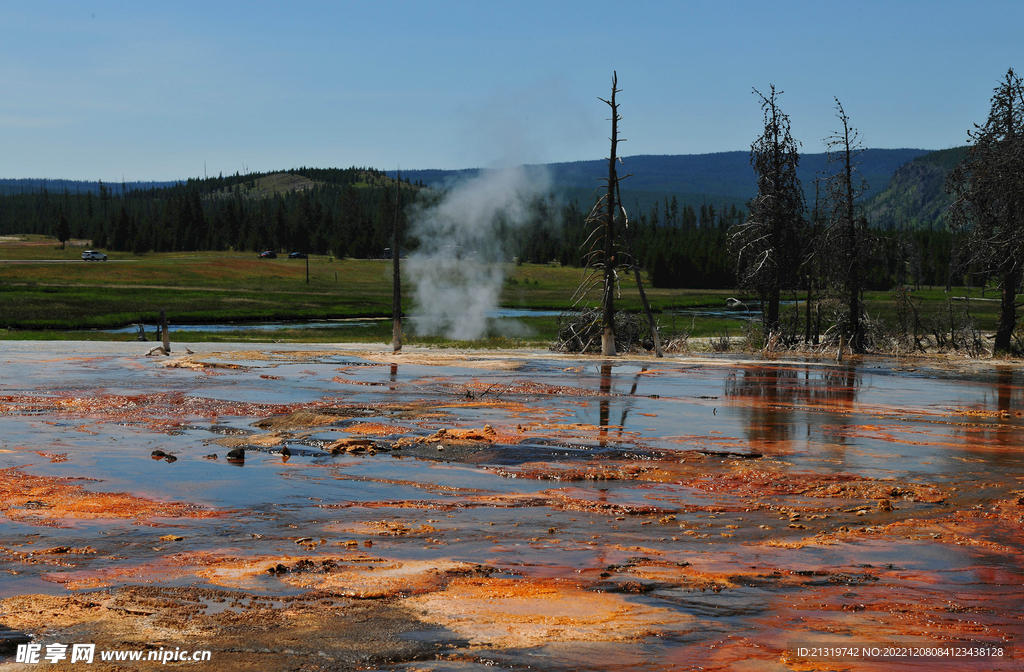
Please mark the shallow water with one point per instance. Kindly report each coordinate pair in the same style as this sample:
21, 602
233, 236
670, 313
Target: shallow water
721, 508
153, 333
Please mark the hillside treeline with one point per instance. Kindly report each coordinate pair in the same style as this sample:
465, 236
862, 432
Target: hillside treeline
350, 212
687, 247
346, 212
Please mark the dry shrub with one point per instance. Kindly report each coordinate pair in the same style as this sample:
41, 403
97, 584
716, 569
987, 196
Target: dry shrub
679, 341
580, 331
721, 343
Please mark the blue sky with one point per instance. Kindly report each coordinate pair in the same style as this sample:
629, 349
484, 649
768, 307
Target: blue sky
151, 91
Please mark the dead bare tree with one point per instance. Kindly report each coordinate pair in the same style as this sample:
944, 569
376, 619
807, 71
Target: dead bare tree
603, 246
396, 278
847, 235
812, 262
608, 297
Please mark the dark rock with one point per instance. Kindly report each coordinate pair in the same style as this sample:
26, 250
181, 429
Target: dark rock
212, 456
236, 454
285, 451
158, 454
170, 458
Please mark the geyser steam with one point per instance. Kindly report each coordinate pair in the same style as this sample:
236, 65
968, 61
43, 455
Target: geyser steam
457, 268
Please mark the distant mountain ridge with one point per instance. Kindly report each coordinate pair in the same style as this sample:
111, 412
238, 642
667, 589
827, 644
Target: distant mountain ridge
715, 176
34, 184
905, 186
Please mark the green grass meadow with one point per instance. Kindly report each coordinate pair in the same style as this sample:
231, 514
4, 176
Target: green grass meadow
41, 298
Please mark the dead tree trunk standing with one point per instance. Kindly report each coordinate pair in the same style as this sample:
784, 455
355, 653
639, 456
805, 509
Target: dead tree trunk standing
165, 332
608, 298
856, 324
605, 259
396, 281
1007, 311
807, 307
812, 265
848, 230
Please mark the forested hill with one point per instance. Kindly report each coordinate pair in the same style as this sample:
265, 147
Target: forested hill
347, 211
719, 177
916, 197
681, 242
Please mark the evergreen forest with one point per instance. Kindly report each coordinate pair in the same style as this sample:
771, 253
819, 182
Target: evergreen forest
351, 213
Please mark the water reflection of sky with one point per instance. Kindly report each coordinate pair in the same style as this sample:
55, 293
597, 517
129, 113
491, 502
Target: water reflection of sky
871, 419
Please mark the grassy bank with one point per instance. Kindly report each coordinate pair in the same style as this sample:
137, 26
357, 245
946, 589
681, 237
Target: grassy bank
48, 293
43, 287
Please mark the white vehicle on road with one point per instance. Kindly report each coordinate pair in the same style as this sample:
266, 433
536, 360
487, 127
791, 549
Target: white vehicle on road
93, 255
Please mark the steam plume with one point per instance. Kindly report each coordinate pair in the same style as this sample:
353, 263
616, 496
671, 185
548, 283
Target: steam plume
457, 268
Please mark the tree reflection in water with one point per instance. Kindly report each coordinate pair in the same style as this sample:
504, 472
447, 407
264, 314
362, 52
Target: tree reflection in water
1006, 430
606, 389
774, 400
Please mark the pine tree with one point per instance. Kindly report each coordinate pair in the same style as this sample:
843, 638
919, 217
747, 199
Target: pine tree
988, 189
766, 246
63, 230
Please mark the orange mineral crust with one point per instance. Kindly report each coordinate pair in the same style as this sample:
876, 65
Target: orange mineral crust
42, 500
446, 510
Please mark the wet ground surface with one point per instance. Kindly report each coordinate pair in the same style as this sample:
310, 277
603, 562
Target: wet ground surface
332, 509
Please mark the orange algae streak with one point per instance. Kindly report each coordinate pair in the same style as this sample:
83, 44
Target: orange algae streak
46, 500
375, 429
